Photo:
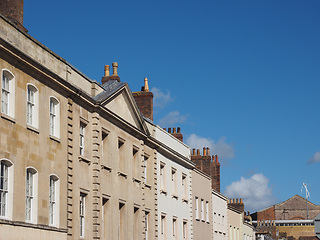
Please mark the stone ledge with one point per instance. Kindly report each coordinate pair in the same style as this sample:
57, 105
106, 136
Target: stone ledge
30, 225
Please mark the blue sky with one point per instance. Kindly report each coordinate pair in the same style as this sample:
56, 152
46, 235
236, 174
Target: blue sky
240, 77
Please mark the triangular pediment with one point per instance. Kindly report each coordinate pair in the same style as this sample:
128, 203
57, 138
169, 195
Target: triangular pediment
122, 104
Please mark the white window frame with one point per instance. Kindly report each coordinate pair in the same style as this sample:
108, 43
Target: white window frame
162, 176
31, 195
202, 209
6, 186
7, 93
54, 203
82, 213
82, 138
146, 224
32, 105
207, 211
54, 111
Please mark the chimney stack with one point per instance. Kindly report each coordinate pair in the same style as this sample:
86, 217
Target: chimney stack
13, 10
144, 100
107, 76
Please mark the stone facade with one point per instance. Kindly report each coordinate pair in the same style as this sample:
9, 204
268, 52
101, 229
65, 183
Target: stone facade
202, 205
76, 156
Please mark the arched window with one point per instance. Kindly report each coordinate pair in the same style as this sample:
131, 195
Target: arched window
54, 190
31, 195
6, 183
7, 93
32, 105
54, 117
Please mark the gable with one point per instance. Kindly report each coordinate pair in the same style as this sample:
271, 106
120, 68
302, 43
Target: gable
121, 103
295, 203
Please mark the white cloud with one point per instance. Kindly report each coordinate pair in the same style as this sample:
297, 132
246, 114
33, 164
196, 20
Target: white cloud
315, 158
220, 148
172, 118
255, 192
160, 99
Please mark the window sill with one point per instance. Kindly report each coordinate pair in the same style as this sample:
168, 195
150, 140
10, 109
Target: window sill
163, 192
184, 200
7, 117
175, 196
105, 167
54, 138
136, 180
33, 129
147, 185
122, 174
84, 159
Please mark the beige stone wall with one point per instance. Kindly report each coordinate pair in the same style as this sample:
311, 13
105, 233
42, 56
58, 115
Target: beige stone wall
201, 188
296, 231
26, 146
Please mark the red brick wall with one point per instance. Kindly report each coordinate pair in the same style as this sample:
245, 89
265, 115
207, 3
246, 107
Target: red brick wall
267, 214
12, 9
210, 166
144, 101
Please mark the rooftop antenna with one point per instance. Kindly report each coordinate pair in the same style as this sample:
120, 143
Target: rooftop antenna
304, 185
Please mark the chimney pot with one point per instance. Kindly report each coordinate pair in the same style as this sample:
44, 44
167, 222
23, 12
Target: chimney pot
193, 151
198, 151
146, 85
165, 129
174, 130
178, 129
208, 151
169, 130
204, 151
115, 68
106, 70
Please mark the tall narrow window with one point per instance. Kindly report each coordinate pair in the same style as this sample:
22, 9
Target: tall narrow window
7, 93
105, 218
121, 148
207, 211
146, 222
82, 135
185, 229
184, 186
32, 105
104, 147
136, 216
174, 228
82, 214
163, 227
202, 209
54, 117
162, 176
31, 198
173, 180
122, 225
196, 207
145, 164
54, 201
3, 189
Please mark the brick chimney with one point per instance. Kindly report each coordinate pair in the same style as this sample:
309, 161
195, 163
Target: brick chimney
144, 100
237, 204
208, 164
176, 133
13, 10
107, 76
